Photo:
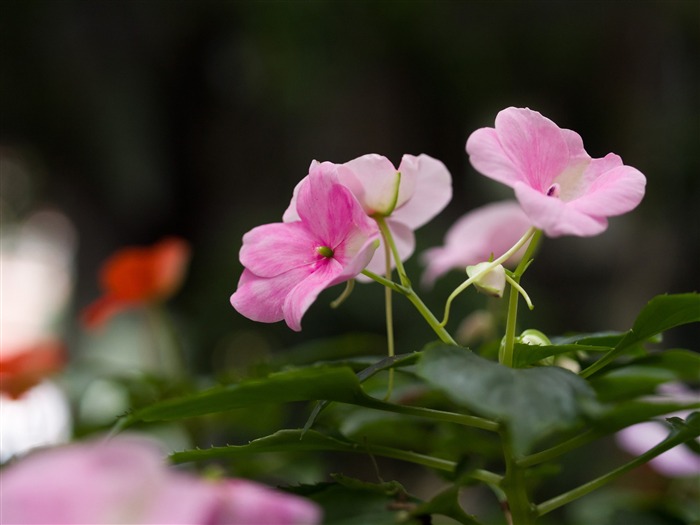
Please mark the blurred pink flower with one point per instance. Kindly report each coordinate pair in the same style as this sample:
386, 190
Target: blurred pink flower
425, 188
288, 264
125, 481
680, 461
561, 188
491, 229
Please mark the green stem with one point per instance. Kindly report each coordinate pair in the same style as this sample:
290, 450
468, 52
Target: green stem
558, 450
503, 258
389, 240
515, 488
567, 497
169, 354
436, 415
388, 310
509, 344
411, 295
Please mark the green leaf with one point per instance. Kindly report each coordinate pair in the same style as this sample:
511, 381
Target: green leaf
643, 375
660, 314
311, 440
622, 415
525, 355
447, 504
323, 382
349, 501
532, 403
281, 441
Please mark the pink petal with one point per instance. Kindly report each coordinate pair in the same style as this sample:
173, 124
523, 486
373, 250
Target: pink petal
432, 192
273, 249
372, 179
301, 296
556, 217
248, 503
291, 214
328, 209
487, 156
534, 144
491, 229
614, 190
262, 299
83, 483
678, 462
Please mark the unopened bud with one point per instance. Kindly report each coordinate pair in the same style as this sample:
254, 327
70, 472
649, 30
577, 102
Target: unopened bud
492, 282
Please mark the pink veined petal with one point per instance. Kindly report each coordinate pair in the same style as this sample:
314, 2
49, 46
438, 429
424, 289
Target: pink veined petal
355, 255
328, 209
405, 244
291, 214
372, 180
301, 296
577, 153
273, 249
262, 299
613, 192
556, 217
487, 156
491, 229
432, 192
534, 144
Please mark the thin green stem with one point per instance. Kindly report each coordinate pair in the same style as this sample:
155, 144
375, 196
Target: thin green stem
503, 258
169, 354
557, 450
389, 239
509, 344
514, 284
388, 310
436, 415
407, 291
571, 495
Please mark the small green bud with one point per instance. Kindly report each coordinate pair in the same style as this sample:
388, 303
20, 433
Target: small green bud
325, 251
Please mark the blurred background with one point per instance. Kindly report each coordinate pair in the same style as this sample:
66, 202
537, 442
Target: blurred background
125, 122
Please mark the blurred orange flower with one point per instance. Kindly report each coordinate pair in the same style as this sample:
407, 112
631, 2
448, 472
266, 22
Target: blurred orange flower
135, 276
22, 370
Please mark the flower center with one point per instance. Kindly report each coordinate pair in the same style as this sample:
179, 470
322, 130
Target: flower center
324, 251
554, 190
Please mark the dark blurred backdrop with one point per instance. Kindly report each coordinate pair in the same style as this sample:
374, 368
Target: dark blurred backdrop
141, 119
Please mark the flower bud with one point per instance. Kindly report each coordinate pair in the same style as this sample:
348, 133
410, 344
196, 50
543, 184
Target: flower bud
492, 282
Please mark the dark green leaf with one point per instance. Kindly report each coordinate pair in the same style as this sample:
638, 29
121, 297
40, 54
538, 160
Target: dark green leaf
350, 501
281, 441
643, 375
660, 314
525, 355
447, 504
299, 440
533, 403
336, 383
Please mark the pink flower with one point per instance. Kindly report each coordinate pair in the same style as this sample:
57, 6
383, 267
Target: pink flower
560, 187
125, 481
288, 264
424, 189
680, 461
491, 229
